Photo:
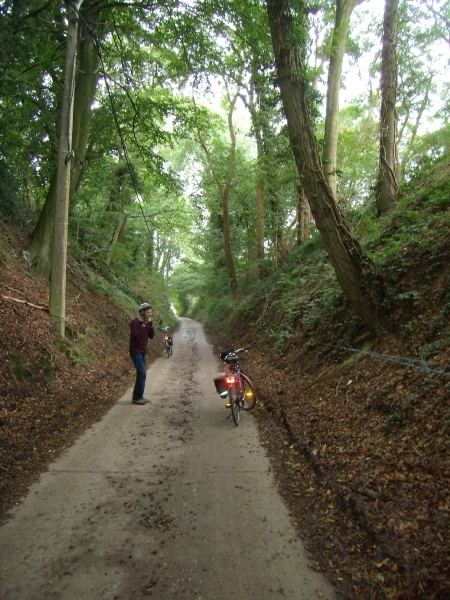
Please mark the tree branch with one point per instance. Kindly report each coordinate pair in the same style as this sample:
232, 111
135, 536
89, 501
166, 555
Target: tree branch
10, 298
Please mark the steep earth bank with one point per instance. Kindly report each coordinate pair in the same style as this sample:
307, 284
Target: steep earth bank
51, 390
358, 430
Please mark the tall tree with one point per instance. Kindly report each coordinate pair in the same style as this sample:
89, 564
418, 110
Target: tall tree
420, 55
88, 73
57, 303
254, 104
344, 9
40, 248
388, 168
224, 187
30, 89
355, 272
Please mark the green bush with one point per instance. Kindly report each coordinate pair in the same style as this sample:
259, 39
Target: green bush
12, 209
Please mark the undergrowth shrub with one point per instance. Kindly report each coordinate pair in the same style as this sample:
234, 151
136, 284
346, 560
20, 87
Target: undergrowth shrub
12, 209
218, 311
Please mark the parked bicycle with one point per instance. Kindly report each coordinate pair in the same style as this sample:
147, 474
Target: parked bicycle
168, 342
235, 385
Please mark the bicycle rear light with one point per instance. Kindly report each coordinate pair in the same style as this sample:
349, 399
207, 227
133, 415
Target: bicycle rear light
231, 379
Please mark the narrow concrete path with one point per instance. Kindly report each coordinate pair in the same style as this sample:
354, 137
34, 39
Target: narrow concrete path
167, 500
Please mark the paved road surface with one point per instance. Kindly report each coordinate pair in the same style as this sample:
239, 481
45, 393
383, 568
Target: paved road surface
168, 500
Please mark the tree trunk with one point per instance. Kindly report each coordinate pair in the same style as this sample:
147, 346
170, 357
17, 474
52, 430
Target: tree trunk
159, 254
40, 249
167, 277
57, 303
254, 91
259, 210
304, 217
224, 193
123, 227
344, 9
85, 88
115, 238
150, 254
277, 228
388, 168
225, 200
39, 253
408, 150
356, 273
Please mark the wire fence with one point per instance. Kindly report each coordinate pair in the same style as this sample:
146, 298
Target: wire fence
414, 363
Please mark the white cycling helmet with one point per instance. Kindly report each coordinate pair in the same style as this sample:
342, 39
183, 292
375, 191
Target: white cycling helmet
144, 306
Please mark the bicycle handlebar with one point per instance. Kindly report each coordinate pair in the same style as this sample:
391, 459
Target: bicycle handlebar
242, 349
233, 351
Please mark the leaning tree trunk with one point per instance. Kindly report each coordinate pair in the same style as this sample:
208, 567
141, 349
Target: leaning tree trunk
40, 249
357, 275
344, 9
388, 168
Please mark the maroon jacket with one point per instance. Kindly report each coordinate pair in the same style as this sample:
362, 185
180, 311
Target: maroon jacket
139, 336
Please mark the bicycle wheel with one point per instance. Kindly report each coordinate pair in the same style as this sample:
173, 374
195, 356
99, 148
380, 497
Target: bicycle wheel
248, 393
171, 349
168, 350
235, 403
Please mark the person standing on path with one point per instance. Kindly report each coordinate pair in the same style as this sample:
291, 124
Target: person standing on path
141, 329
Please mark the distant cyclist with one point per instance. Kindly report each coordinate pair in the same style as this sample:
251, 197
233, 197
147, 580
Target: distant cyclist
141, 328
168, 341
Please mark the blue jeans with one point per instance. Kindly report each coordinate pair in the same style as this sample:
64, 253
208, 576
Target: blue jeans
141, 374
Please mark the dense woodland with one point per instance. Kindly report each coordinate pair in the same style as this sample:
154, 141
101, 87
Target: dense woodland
207, 141
278, 170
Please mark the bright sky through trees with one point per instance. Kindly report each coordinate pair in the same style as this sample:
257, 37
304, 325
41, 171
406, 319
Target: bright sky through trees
359, 75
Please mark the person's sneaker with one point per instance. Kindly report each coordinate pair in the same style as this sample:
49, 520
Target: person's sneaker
141, 401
